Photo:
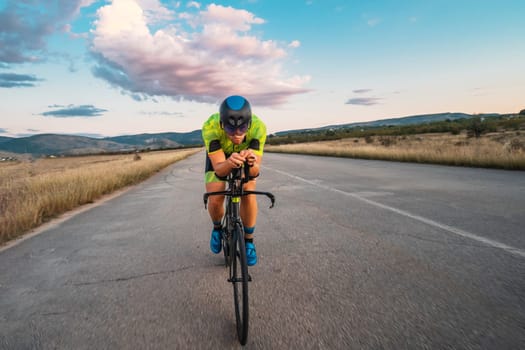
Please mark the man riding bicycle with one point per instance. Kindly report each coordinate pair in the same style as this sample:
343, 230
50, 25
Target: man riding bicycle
232, 137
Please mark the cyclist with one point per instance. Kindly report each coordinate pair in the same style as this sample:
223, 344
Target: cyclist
233, 136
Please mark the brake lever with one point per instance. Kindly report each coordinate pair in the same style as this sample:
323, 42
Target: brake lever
272, 198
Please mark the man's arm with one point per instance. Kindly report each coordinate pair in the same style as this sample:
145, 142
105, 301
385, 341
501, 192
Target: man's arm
222, 165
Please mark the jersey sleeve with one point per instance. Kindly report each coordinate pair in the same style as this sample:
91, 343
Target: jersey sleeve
259, 134
210, 135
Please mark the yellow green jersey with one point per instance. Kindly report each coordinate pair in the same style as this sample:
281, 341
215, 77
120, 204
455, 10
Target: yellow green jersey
215, 138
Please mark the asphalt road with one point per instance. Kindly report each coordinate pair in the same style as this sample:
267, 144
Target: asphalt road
356, 255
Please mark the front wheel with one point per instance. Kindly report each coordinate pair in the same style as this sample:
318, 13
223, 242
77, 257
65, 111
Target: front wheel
240, 280
226, 240
226, 244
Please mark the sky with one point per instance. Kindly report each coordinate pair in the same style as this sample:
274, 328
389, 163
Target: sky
120, 67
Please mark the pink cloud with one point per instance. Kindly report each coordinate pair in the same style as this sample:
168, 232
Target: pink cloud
295, 44
235, 19
219, 57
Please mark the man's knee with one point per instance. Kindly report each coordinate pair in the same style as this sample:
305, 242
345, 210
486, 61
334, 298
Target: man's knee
215, 201
250, 185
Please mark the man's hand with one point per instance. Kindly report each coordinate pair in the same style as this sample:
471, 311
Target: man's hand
249, 156
236, 159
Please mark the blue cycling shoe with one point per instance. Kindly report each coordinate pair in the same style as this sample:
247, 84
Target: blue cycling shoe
251, 254
216, 241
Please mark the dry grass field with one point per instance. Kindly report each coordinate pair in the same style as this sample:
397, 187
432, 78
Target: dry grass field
504, 150
32, 192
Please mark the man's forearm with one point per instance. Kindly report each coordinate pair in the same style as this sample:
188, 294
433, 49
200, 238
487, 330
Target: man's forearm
254, 170
224, 168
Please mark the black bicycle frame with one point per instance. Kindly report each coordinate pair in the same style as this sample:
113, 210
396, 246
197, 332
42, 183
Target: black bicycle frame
235, 245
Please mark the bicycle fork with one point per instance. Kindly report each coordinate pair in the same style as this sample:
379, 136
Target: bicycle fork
237, 234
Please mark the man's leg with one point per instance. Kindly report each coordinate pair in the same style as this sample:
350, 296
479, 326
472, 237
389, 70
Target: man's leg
249, 219
249, 208
216, 211
216, 203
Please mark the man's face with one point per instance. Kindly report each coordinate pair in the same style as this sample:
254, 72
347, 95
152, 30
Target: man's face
237, 137
236, 132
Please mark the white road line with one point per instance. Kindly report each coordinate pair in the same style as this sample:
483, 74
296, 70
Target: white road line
457, 231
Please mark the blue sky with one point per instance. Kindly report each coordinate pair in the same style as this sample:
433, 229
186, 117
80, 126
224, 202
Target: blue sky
105, 68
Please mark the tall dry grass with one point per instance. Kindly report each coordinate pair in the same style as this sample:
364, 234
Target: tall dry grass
498, 150
33, 192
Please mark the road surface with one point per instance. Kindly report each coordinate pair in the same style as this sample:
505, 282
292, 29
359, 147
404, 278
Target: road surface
356, 255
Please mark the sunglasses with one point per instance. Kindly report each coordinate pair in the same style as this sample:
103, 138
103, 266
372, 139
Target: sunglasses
230, 130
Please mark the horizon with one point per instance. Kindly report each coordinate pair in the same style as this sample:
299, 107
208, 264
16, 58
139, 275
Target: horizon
127, 67
272, 133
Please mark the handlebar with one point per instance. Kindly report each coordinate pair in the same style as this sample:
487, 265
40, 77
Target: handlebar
233, 191
244, 193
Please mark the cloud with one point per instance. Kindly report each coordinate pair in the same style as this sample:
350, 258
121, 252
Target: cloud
363, 101
25, 26
294, 44
3, 131
12, 80
194, 4
361, 91
154, 11
163, 113
479, 91
74, 111
201, 57
372, 22
229, 18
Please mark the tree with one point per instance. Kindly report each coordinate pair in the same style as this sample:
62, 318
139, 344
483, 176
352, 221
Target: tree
522, 112
476, 127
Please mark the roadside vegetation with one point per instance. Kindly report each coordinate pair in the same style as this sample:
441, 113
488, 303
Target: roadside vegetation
497, 142
32, 192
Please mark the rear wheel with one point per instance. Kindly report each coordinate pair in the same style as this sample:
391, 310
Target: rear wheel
240, 285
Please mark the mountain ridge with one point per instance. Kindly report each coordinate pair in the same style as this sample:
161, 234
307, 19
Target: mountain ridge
59, 144
408, 120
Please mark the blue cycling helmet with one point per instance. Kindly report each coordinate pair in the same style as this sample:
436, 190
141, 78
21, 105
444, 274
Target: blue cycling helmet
236, 113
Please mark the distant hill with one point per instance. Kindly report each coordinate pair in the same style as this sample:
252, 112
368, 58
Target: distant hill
411, 120
175, 139
4, 139
54, 144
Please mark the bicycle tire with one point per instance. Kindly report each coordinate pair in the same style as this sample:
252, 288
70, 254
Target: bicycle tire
226, 243
226, 250
240, 285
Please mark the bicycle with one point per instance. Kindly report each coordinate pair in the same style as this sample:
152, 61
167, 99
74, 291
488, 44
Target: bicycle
233, 244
